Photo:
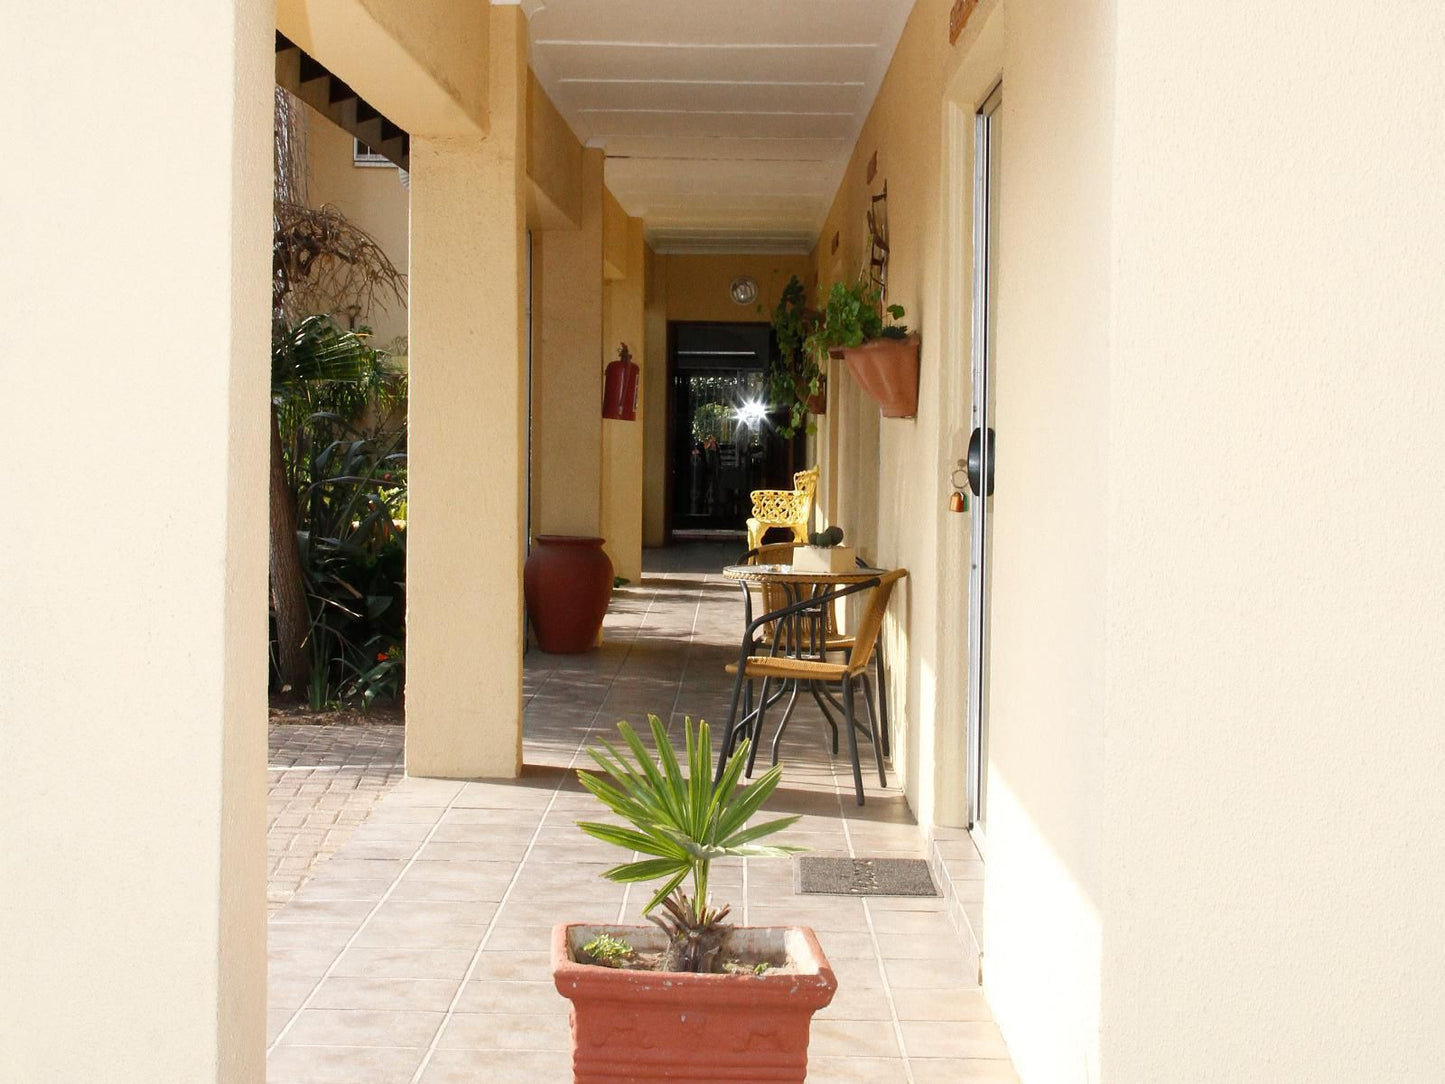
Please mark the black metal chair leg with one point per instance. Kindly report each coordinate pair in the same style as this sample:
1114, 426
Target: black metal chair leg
733, 725
852, 736
882, 669
783, 724
757, 727
873, 727
827, 715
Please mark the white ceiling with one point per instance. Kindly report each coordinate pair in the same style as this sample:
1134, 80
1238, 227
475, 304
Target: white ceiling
727, 123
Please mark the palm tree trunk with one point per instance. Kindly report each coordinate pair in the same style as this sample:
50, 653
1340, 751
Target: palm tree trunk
288, 590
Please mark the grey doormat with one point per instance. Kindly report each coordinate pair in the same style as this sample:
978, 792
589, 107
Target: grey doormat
863, 877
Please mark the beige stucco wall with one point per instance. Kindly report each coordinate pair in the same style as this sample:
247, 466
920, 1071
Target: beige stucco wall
1274, 754
467, 434
695, 287
132, 821
624, 321
423, 66
567, 361
371, 197
554, 164
1215, 749
654, 397
886, 481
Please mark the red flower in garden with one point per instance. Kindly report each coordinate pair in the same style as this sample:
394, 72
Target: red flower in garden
381, 656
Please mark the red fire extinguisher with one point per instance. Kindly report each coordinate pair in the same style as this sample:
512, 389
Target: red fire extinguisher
619, 390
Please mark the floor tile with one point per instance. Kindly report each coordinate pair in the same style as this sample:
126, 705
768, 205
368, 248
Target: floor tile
441, 896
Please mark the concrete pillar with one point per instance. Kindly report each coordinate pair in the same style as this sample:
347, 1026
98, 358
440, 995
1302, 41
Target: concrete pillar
567, 370
622, 465
467, 435
132, 821
656, 475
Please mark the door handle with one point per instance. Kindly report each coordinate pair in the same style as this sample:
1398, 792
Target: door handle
975, 463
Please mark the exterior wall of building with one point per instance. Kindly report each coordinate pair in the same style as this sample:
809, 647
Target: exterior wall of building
132, 912
886, 481
467, 435
567, 360
624, 321
424, 68
372, 198
1214, 706
695, 287
1272, 867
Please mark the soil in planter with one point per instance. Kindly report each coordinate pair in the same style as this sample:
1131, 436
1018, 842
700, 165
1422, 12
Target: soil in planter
728, 959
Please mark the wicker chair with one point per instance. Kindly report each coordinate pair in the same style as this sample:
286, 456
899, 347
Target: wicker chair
791, 508
812, 672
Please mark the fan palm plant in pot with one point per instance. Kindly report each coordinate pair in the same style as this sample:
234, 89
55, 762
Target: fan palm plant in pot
880, 352
689, 998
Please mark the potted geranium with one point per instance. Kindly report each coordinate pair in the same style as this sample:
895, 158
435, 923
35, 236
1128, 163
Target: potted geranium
796, 378
881, 354
689, 998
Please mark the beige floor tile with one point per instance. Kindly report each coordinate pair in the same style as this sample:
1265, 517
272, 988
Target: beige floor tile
506, 1031
825, 1069
342, 1065
403, 963
355, 992
498, 1067
942, 1003
853, 1039
504, 861
953, 1039
362, 1027
961, 1071
391, 934
513, 965
495, 996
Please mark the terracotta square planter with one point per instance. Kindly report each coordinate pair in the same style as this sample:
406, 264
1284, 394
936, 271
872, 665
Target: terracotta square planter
703, 1029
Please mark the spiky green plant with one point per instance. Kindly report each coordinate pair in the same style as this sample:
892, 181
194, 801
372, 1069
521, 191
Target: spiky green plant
683, 822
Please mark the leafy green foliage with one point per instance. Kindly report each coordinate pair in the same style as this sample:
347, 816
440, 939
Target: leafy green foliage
854, 315
796, 373
608, 950
682, 822
339, 405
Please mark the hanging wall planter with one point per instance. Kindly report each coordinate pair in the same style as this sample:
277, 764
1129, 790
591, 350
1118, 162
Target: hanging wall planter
887, 369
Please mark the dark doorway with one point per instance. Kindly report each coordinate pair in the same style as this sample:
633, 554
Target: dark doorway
724, 440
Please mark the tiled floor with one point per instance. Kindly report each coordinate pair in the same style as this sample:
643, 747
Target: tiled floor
419, 952
323, 781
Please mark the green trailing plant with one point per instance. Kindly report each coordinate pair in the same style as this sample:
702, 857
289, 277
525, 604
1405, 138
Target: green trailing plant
796, 374
683, 823
854, 315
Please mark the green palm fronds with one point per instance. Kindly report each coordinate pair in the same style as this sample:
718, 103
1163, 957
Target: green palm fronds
681, 822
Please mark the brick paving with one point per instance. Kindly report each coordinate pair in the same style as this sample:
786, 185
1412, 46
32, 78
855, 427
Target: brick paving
323, 782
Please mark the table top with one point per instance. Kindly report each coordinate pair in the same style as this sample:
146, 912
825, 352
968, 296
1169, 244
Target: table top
769, 574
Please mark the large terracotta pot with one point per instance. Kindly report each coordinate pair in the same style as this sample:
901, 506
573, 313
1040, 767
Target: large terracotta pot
567, 583
887, 369
688, 1028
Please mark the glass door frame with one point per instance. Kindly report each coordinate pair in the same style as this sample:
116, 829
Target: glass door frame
985, 258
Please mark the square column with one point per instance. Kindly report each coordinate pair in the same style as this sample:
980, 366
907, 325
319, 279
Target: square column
622, 465
466, 433
567, 369
136, 274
